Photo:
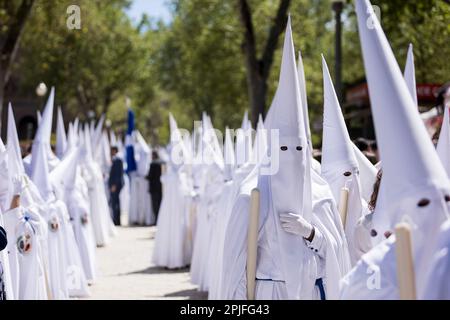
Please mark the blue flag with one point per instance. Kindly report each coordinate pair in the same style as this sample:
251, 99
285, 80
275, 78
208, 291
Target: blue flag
131, 161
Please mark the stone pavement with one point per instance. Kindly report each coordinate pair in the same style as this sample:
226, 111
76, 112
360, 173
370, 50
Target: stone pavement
126, 272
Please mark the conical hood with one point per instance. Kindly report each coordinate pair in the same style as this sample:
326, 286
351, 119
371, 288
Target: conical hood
304, 96
13, 147
64, 175
288, 169
44, 131
410, 162
76, 126
410, 75
339, 165
87, 142
229, 157
61, 139
245, 122
41, 150
414, 180
71, 137
143, 151
260, 145
39, 117
40, 170
337, 149
97, 133
175, 135
285, 113
178, 150
367, 174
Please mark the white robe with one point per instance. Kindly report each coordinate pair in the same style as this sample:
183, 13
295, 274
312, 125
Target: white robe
78, 207
142, 212
218, 226
124, 196
337, 181
74, 275
206, 210
276, 280
171, 225
374, 277
56, 253
229, 195
98, 202
438, 284
28, 270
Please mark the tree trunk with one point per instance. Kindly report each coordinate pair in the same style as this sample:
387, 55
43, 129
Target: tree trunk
258, 70
10, 44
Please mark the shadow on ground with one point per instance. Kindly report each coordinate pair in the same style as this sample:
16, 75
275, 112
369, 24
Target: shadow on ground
156, 270
192, 294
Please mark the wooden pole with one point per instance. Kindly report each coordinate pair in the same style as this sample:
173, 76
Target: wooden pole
405, 262
252, 243
343, 205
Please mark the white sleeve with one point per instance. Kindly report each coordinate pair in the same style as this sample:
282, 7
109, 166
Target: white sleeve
317, 245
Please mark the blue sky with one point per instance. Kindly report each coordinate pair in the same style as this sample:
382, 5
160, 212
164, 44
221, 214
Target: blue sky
153, 8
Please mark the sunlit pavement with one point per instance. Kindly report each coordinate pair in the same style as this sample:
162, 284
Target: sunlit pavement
126, 272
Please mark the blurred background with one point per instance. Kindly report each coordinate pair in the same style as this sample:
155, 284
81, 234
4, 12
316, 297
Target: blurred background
189, 56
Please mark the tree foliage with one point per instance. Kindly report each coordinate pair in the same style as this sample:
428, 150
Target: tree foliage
197, 62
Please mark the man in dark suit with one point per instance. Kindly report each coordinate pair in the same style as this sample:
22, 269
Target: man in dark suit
154, 179
115, 184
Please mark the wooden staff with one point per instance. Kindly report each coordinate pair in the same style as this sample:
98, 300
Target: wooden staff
252, 243
405, 262
343, 205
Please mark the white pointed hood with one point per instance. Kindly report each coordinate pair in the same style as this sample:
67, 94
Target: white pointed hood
410, 74
414, 179
87, 142
44, 130
337, 151
143, 153
177, 149
244, 142
245, 122
339, 165
260, 145
39, 117
13, 147
97, 132
103, 155
367, 174
41, 150
63, 176
304, 96
61, 139
288, 154
72, 137
229, 156
76, 126
410, 162
212, 152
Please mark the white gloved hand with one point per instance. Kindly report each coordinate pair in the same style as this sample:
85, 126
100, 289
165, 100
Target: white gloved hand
17, 184
295, 224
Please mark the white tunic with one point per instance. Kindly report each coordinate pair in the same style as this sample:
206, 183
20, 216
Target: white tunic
25, 253
170, 237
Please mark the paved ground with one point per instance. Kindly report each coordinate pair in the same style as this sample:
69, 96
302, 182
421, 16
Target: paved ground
126, 271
